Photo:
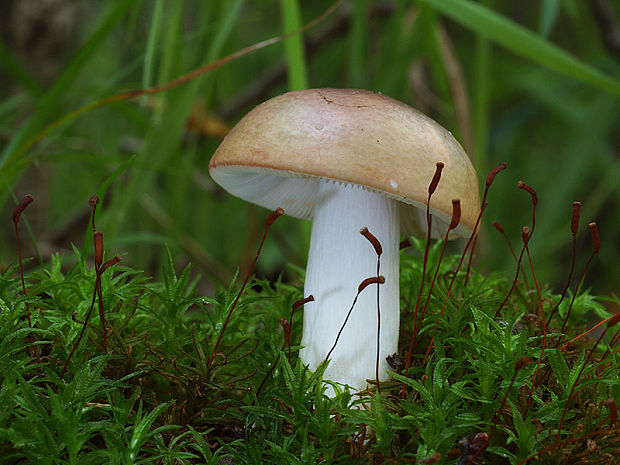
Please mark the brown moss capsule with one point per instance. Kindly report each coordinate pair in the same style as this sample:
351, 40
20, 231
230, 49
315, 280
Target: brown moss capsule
529, 190
98, 248
456, 214
493, 173
436, 178
274, 215
301, 302
574, 224
21, 206
525, 234
596, 238
368, 281
113, 261
498, 226
372, 239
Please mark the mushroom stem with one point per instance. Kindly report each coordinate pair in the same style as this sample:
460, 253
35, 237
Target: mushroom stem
338, 261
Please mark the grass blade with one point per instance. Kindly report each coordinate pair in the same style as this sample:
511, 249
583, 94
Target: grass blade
51, 102
154, 33
525, 43
294, 49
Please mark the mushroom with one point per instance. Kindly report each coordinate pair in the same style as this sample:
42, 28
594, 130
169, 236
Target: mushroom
348, 159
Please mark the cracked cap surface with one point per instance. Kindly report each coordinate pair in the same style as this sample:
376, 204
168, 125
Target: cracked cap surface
275, 154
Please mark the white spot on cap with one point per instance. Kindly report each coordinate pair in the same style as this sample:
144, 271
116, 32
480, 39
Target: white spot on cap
393, 183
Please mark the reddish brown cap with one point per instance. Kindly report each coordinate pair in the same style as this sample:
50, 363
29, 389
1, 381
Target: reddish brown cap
274, 155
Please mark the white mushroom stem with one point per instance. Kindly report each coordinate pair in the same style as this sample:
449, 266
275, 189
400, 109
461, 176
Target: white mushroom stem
340, 258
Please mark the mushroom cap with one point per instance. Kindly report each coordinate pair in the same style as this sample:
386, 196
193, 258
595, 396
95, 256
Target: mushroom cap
275, 154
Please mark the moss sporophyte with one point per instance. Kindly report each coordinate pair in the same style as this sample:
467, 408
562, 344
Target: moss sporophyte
482, 368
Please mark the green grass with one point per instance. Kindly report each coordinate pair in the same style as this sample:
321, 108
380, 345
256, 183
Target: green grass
536, 90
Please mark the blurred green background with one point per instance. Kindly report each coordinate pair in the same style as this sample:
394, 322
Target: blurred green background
534, 84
